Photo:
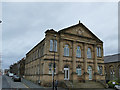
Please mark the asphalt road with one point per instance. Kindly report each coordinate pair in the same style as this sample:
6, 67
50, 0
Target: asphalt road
7, 82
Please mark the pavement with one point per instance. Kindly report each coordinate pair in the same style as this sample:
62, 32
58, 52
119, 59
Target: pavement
9, 84
33, 86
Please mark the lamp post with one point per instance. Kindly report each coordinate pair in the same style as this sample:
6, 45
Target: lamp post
54, 60
0, 21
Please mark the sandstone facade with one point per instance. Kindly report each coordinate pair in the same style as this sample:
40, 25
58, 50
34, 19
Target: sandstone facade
77, 52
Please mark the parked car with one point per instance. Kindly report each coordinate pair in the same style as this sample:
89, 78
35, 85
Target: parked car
16, 78
117, 87
11, 74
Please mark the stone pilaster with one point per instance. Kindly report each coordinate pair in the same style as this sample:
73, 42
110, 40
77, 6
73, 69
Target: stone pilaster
95, 59
74, 75
96, 75
86, 75
60, 67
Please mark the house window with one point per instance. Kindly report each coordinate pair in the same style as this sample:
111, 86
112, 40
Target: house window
98, 51
51, 45
55, 45
66, 50
78, 71
100, 70
78, 52
51, 68
89, 53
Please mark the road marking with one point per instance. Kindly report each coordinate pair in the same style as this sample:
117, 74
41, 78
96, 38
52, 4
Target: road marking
25, 85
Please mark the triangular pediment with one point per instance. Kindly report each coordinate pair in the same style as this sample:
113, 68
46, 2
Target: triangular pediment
80, 30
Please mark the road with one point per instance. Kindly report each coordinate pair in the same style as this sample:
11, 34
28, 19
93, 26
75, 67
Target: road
7, 82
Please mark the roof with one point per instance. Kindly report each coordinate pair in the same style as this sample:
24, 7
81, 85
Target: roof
112, 58
80, 24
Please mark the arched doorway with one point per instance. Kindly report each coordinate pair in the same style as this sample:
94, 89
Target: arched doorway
90, 72
66, 73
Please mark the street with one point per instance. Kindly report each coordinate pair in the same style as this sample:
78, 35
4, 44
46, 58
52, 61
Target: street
7, 82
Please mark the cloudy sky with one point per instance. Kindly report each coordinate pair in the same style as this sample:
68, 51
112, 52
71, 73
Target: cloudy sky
24, 24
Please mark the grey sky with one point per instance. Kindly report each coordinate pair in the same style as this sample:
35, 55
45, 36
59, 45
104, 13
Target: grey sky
24, 24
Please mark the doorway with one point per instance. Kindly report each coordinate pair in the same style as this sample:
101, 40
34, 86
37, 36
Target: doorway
66, 73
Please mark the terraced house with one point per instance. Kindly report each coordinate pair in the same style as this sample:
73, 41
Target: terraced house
78, 55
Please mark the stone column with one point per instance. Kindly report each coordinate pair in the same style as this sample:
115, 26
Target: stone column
86, 75
74, 74
60, 66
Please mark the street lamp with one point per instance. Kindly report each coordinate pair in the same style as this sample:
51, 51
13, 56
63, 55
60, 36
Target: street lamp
54, 60
0, 21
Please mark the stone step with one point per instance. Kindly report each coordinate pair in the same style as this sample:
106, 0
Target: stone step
90, 84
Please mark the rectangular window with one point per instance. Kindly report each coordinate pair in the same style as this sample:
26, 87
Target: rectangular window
51, 45
55, 45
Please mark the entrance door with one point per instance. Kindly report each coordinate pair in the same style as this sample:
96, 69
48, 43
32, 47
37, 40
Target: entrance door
90, 72
66, 73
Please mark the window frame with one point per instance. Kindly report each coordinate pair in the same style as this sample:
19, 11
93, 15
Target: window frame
99, 53
66, 50
78, 52
89, 53
79, 71
51, 45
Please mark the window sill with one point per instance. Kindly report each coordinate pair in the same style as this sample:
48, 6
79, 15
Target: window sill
79, 57
53, 51
67, 56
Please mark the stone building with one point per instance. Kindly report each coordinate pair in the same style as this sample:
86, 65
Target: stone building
112, 67
18, 68
78, 55
14, 68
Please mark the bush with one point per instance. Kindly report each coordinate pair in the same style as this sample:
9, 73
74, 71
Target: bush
110, 83
118, 80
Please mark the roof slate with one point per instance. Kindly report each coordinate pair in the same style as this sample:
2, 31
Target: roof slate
112, 58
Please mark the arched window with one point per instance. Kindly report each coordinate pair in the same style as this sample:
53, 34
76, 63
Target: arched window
78, 52
66, 50
99, 51
78, 71
89, 53
51, 45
